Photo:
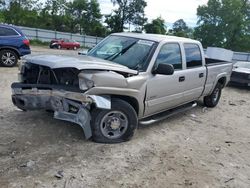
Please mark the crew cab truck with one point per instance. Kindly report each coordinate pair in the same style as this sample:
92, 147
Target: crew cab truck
125, 80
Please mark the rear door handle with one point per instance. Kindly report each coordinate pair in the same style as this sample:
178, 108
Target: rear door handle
201, 75
182, 79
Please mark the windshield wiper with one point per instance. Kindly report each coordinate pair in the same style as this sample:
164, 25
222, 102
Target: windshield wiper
113, 56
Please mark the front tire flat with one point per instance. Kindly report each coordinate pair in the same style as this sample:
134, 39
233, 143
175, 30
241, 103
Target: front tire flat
115, 125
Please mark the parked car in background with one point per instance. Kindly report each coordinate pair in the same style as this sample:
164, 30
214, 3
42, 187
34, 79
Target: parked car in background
64, 43
241, 73
13, 45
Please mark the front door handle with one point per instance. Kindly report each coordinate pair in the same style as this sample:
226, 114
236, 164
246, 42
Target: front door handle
201, 75
182, 79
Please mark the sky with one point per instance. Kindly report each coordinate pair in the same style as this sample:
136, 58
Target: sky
169, 10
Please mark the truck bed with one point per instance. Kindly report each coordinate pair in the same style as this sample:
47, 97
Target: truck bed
211, 61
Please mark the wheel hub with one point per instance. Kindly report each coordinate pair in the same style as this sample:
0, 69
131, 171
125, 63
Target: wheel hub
8, 58
115, 124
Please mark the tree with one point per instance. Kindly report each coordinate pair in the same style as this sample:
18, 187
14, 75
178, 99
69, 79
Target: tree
157, 26
180, 28
114, 22
18, 12
128, 12
224, 23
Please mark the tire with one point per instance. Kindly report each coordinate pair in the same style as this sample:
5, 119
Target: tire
75, 48
115, 125
8, 58
213, 99
59, 46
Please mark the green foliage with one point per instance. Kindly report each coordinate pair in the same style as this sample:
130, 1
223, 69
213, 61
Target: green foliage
37, 42
157, 26
128, 12
224, 23
77, 16
181, 29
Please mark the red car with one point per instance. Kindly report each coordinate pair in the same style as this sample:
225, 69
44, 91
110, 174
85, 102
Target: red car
64, 43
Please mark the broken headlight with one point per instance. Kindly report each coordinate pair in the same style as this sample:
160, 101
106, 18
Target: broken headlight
85, 84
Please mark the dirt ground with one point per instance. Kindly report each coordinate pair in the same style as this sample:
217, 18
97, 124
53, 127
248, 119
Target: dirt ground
203, 148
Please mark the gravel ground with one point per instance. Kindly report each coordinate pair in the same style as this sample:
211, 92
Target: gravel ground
199, 148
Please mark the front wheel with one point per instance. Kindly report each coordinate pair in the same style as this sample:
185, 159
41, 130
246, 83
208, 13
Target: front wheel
8, 58
115, 125
213, 99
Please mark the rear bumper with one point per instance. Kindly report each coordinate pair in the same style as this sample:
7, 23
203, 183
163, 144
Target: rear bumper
24, 51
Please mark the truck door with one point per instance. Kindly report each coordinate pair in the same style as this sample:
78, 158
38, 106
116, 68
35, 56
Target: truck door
165, 91
195, 73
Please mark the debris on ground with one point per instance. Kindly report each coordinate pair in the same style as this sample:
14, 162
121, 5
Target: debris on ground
193, 115
59, 174
228, 180
217, 149
229, 142
204, 109
231, 103
29, 164
7, 143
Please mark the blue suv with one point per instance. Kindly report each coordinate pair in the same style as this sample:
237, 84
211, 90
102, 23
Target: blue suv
13, 45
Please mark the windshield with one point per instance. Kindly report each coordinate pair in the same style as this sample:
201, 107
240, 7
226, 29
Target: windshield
127, 51
242, 65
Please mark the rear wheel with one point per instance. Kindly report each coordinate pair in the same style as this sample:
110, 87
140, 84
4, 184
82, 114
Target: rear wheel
213, 99
8, 58
115, 125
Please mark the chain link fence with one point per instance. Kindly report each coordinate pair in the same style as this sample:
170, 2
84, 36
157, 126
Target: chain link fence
46, 36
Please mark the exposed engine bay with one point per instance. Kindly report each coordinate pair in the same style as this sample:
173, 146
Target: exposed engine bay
38, 74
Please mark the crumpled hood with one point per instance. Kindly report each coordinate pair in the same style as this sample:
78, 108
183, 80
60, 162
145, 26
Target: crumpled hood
80, 63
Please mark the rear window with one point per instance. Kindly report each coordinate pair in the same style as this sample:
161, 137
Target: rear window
7, 32
193, 55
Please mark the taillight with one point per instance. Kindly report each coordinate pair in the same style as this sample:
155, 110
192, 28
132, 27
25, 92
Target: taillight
26, 42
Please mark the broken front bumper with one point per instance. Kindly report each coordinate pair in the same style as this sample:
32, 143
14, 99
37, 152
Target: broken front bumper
68, 104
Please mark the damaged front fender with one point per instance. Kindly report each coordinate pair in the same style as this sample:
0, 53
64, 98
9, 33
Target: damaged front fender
67, 105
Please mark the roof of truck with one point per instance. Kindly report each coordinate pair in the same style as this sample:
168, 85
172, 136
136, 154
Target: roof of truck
156, 37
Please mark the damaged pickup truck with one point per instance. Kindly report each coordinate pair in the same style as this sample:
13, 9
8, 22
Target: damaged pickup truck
125, 80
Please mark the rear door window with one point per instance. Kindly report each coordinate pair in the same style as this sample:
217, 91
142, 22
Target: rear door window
170, 53
193, 55
7, 32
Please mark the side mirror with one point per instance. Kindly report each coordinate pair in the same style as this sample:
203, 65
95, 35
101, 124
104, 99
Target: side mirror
84, 52
165, 69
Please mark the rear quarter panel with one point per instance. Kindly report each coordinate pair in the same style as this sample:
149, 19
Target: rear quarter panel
214, 73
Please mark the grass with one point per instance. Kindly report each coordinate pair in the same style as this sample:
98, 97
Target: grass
36, 42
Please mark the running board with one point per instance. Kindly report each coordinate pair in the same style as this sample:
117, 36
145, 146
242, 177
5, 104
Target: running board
163, 115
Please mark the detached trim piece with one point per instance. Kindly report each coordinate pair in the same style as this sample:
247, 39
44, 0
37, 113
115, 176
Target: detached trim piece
103, 102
